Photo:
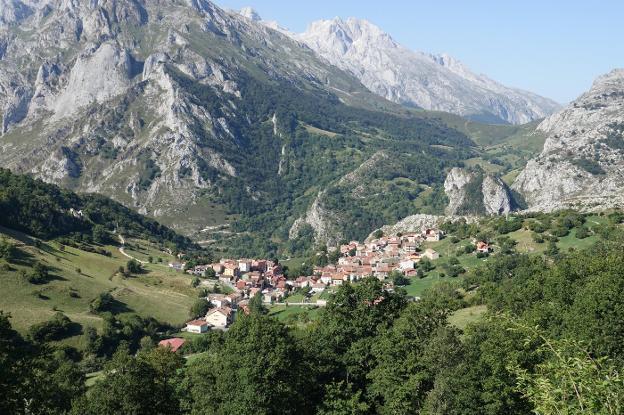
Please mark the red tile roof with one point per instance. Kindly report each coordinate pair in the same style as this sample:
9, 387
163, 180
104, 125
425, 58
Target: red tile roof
174, 344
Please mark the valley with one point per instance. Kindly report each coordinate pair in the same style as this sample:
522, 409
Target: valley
203, 212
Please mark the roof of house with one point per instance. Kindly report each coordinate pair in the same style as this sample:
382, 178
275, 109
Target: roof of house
174, 344
226, 311
196, 323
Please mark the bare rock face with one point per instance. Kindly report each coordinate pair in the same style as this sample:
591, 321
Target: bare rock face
413, 223
99, 74
141, 100
433, 82
474, 193
582, 163
325, 223
497, 198
13, 11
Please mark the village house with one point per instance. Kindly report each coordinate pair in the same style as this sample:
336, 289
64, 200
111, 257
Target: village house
410, 247
326, 278
218, 268
410, 273
234, 298
218, 300
416, 257
382, 270
337, 279
433, 235
302, 282
220, 317
259, 265
174, 344
231, 270
318, 287
431, 254
244, 265
197, 326
407, 264
482, 247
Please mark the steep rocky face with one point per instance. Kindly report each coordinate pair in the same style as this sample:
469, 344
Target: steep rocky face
109, 96
474, 193
433, 82
582, 162
326, 224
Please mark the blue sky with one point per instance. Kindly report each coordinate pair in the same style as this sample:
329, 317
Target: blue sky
554, 48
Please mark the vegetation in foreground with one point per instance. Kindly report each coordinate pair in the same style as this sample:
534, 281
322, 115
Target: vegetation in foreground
549, 342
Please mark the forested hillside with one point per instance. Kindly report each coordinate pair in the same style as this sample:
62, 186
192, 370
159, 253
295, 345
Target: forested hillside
47, 211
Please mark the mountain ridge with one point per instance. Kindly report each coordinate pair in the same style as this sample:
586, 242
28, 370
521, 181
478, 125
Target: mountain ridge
206, 119
416, 79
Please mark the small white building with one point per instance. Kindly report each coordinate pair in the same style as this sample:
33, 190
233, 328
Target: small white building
218, 300
433, 235
318, 287
244, 266
197, 326
326, 279
220, 317
407, 264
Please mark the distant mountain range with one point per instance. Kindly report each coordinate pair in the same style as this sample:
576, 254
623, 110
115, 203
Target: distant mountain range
417, 79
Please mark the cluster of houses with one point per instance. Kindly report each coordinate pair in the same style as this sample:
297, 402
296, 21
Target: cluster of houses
379, 257
247, 278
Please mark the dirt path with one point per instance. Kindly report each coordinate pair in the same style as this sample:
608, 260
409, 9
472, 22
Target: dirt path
122, 252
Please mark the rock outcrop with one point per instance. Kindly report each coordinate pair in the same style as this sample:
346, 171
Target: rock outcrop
582, 163
326, 224
476, 193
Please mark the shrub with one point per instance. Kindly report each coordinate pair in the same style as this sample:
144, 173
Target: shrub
38, 275
134, 267
582, 232
199, 308
560, 231
7, 249
57, 328
101, 303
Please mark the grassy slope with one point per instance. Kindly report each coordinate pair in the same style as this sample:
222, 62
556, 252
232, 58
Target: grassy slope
160, 292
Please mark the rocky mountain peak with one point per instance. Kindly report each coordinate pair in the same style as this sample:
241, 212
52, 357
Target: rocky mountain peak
434, 82
250, 13
343, 35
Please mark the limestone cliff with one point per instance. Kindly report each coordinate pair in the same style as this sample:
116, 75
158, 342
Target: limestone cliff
582, 163
476, 193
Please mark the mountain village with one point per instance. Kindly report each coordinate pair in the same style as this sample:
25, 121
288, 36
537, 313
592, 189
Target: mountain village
246, 278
